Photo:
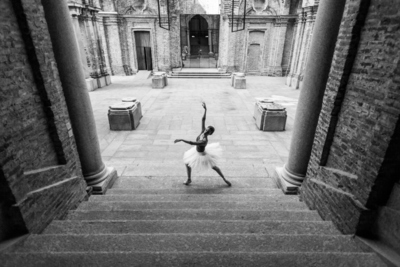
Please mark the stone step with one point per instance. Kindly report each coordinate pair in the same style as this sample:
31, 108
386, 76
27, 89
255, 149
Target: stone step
198, 77
216, 205
172, 259
196, 198
204, 182
188, 242
194, 190
194, 214
199, 74
191, 226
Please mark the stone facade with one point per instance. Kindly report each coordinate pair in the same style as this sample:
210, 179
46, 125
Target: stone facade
272, 23
263, 47
89, 31
40, 172
353, 171
303, 29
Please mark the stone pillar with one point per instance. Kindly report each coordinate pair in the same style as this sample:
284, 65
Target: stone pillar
305, 46
291, 175
188, 39
297, 63
104, 51
75, 21
80, 110
210, 41
114, 45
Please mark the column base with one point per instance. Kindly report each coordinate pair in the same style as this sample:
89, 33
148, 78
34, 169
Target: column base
108, 79
91, 84
281, 177
101, 81
101, 188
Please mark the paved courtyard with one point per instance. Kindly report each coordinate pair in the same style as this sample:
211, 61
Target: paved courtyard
175, 112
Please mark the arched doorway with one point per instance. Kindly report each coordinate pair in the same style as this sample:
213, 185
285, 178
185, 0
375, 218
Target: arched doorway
199, 40
198, 31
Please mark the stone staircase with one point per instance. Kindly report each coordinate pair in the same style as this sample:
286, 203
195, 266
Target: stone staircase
199, 75
157, 221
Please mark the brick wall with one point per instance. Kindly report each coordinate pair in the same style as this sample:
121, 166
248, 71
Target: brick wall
40, 172
360, 110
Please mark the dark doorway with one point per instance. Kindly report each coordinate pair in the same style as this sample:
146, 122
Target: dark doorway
143, 50
198, 30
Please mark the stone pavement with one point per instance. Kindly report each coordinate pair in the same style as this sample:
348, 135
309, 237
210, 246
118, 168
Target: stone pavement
175, 112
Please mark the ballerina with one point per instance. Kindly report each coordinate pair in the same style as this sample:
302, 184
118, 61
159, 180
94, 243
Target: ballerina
202, 156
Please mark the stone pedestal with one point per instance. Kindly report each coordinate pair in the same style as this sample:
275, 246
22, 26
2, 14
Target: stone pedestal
108, 79
159, 80
124, 116
101, 81
69, 65
91, 84
238, 80
269, 116
327, 24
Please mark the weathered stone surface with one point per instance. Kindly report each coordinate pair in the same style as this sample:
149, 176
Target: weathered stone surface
195, 214
220, 205
188, 242
191, 226
273, 259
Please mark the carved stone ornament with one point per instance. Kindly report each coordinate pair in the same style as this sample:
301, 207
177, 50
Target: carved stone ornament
137, 7
260, 5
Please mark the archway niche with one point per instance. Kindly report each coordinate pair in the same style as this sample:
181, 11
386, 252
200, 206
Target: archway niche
198, 34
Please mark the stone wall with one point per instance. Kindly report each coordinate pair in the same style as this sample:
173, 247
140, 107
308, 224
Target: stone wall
238, 52
303, 28
89, 32
353, 165
274, 18
40, 174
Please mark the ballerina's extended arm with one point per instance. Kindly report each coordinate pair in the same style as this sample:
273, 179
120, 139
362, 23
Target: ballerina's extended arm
203, 120
193, 143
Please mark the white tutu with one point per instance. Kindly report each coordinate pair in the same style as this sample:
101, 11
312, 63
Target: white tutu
203, 160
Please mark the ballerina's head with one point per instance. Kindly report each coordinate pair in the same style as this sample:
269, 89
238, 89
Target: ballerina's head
209, 130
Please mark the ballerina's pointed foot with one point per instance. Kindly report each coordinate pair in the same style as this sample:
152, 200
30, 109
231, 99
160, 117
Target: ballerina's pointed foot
187, 182
228, 183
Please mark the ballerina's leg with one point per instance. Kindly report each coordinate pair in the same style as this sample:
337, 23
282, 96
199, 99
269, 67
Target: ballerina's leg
218, 170
189, 172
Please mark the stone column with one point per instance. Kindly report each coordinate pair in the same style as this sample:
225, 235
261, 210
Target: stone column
297, 47
104, 51
114, 45
210, 41
75, 21
66, 52
188, 39
291, 175
292, 53
305, 46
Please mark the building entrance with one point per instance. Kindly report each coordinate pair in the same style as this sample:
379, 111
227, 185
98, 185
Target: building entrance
143, 50
199, 41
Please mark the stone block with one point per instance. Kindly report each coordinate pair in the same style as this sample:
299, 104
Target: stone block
124, 116
239, 82
101, 82
108, 79
270, 116
91, 84
158, 82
